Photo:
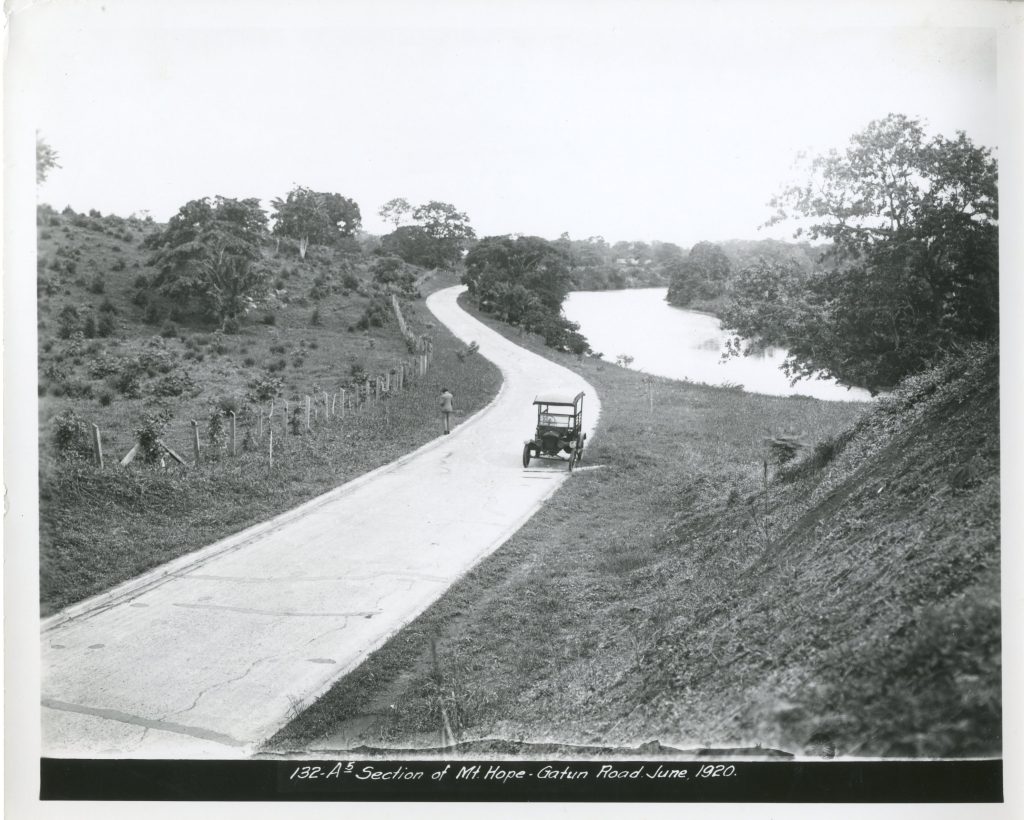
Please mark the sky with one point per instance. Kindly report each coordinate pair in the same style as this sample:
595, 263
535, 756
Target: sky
646, 120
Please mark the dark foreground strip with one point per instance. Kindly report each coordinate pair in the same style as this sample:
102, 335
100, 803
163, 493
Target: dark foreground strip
667, 781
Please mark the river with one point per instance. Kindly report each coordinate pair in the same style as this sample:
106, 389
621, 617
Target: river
683, 344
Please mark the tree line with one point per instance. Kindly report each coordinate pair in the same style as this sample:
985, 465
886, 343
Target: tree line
897, 263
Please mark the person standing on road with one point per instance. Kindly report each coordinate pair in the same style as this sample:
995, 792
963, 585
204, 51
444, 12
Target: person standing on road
446, 409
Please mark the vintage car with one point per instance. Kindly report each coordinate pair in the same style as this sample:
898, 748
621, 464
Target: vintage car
559, 433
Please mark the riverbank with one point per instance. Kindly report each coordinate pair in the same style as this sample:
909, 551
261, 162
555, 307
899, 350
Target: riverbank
670, 592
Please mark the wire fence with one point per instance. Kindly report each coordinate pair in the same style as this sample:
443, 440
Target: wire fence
256, 426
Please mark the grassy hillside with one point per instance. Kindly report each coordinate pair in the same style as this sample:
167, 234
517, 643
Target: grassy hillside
116, 354
847, 603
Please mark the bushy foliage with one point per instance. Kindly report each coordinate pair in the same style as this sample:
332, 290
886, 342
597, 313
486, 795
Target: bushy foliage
914, 259
264, 388
210, 252
391, 271
149, 432
523, 281
703, 274
437, 240
315, 216
71, 436
176, 383
377, 313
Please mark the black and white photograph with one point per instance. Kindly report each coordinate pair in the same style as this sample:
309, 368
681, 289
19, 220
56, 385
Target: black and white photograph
512, 402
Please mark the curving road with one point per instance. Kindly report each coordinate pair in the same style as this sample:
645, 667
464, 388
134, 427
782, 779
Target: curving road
210, 654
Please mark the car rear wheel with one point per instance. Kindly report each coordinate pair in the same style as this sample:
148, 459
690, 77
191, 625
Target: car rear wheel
526, 455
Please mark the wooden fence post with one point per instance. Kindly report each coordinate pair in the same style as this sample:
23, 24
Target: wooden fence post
270, 463
97, 446
307, 412
195, 439
327, 406
343, 402
233, 425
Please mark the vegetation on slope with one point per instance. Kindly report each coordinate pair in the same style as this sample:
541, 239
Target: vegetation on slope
117, 353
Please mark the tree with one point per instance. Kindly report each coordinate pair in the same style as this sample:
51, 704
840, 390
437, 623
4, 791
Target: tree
448, 228
913, 261
211, 252
524, 281
702, 274
395, 210
315, 217
536, 264
46, 159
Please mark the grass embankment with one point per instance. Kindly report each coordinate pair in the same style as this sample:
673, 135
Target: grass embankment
98, 528
848, 605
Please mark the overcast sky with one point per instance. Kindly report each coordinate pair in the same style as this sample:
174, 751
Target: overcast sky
672, 121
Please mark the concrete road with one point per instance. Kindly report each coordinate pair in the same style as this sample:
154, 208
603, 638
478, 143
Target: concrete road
210, 654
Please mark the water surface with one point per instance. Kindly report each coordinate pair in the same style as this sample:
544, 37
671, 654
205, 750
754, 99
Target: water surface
684, 344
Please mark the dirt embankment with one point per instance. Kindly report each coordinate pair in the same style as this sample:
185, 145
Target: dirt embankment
846, 604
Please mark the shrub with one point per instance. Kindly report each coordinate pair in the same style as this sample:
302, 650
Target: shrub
149, 432
153, 315
277, 365
174, 384
141, 299
169, 330
107, 306
249, 361
103, 366
376, 314
215, 432
269, 319
228, 405
119, 264
69, 322
231, 325
46, 286
106, 398
141, 281
89, 327
96, 284
314, 319
350, 281
264, 388
71, 436
106, 326
55, 372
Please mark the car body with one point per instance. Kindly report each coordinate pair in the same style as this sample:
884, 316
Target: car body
559, 431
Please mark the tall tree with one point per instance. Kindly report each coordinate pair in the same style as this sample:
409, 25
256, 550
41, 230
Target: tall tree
913, 224
395, 211
210, 252
449, 229
315, 217
46, 159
